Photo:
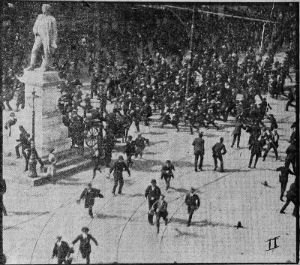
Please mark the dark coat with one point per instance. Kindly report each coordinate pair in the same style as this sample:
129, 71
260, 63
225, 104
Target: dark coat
2, 186
118, 168
167, 171
61, 251
256, 147
130, 147
284, 173
192, 201
238, 128
198, 144
152, 195
89, 196
219, 149
85, 245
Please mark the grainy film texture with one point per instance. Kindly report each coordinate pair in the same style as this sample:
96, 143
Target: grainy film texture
149, 133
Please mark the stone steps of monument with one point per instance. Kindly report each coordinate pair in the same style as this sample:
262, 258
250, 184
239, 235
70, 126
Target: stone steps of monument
63, 173
69, 162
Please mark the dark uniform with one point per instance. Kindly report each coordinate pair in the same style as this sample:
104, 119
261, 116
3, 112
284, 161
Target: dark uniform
237, 133
2, 192
291, 196
140, 144
284, 178
192, 201
152, 193
61, 250
167, 173
291, 156
256, 148
198, 144
218, 151
97, 159
23, 142
129, 150
89, 194
85, 245
118, 168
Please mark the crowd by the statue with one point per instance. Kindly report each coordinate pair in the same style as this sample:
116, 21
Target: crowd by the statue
230, 79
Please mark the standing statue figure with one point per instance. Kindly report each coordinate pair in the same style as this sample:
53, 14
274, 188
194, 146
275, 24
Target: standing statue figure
45, 32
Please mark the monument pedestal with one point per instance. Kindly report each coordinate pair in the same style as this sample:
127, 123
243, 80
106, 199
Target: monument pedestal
49, 129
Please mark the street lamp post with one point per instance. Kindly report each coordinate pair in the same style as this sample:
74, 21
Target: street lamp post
32, 160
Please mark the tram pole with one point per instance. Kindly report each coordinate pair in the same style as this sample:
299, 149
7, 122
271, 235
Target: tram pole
191, 58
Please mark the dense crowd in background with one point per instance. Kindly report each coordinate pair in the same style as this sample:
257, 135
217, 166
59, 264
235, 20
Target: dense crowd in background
141, 63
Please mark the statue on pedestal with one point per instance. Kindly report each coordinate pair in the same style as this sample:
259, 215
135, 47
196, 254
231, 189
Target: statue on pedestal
45, 31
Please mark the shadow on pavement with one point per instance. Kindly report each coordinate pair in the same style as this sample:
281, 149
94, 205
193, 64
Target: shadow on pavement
180, 234
110, 216
29, 213
203, 223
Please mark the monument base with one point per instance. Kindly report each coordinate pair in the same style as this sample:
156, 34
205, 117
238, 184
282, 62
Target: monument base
50, 132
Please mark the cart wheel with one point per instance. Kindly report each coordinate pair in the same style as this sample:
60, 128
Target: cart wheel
91, 137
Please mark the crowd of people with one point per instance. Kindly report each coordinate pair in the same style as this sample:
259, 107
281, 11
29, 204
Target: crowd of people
228, 79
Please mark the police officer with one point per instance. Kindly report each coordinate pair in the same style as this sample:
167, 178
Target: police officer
256, 148
192, 201
198, 144
89, 194
291, 156
291, 196
129, 150
96, 159
140, 144
118, 167
152, 193
284, 178
218, 151
237, 132
167, 173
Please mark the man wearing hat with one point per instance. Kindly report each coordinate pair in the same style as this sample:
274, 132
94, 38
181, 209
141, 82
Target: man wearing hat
198, 144
23, 141
61, 250
192, 201
52, 166
218, 151
152, 193
237, 132
161, 210
167, 172
140, 144
118, 167
85, 245
129, 150
89, 194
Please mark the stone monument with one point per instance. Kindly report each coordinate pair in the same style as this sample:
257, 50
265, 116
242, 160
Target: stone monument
49, 129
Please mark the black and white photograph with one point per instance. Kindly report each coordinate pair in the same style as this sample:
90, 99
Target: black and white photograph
149, 132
